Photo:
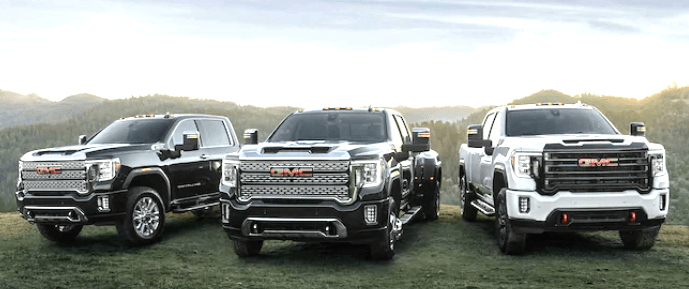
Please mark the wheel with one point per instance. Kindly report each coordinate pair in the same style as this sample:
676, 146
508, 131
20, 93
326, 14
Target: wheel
431, 206
144, 220
384, 249
642, 239
59, 233
247, 248
465, 198
509, 241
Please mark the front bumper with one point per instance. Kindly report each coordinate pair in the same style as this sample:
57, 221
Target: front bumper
566, 211
321, 222
72, 209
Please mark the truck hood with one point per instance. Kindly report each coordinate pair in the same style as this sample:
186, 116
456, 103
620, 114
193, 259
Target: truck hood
313, 150
81, 152
538, 142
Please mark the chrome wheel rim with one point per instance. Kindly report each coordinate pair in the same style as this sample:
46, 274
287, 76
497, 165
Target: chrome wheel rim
146, 217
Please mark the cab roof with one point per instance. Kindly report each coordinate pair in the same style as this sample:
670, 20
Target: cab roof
547, 105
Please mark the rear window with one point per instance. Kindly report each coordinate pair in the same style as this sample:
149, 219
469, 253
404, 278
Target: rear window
557, 121
332, 126
133, 131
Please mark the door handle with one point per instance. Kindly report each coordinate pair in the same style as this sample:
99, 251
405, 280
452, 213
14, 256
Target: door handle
204, 156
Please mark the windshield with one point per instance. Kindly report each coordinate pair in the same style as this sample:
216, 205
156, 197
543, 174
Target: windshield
332, 126
557, 121
135, 131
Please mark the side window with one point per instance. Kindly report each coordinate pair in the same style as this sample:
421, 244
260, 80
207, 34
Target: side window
395, 134
213, 133
496, 129
178, 134
487, 124
403, 128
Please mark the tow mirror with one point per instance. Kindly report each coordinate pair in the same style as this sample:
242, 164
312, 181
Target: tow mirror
190, 142
421, 140
637, 129
82, 139
474, 135
251, 136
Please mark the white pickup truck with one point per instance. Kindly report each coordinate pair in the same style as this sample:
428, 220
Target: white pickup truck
562, 167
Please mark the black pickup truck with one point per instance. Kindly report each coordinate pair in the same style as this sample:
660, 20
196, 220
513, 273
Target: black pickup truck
129, 174
330, 175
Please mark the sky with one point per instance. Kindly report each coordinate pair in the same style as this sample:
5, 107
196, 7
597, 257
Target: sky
343, 53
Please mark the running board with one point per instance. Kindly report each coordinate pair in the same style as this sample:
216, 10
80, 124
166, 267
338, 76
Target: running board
482, 206
411, 214
187, 209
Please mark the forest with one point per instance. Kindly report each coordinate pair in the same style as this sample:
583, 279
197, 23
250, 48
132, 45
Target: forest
664, 113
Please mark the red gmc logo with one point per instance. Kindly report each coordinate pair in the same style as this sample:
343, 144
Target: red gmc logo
611, 162
281, 172
48, 170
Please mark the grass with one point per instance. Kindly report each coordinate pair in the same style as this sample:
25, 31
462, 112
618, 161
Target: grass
448, 253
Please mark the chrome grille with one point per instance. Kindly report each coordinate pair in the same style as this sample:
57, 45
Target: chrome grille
325, 178
328, 180
71, 177
338, 192
318, 166
563, 172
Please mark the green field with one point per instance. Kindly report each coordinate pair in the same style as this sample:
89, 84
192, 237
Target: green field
448, 253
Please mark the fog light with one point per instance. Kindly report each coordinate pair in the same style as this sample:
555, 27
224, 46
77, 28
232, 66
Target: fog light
225, 213
524, 205
371, 214
632, 216
103, 204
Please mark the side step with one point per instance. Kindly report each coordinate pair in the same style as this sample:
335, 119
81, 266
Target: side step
195, 203
482, 206
411, 214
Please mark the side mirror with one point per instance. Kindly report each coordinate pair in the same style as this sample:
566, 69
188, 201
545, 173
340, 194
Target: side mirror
251, 136
474, 135
82, 139
421, 140
637, 129
190, 142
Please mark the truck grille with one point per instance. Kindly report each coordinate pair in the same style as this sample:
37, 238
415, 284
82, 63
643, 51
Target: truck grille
595, 171
52, 177
325, 180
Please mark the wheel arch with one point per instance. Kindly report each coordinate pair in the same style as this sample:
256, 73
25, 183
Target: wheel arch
154, 178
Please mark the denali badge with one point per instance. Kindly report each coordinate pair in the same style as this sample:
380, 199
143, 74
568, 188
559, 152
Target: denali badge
611, 162
48, 170
281, 172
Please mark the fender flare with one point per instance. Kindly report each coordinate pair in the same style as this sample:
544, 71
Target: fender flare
151, 171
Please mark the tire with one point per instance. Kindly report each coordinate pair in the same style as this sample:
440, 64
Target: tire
431, 206
384, 249
642, 239
465, 198
245, 249
58, 233
144, 220
509, 241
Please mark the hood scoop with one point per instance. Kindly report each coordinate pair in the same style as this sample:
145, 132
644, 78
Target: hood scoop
56, 152
305, 149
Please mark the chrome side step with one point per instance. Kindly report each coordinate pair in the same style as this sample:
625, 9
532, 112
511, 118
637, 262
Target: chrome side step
411, 214
484, 207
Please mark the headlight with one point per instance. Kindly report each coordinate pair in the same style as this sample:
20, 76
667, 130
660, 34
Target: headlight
657, 160
102, 170
525, 165
368, 173
230, 173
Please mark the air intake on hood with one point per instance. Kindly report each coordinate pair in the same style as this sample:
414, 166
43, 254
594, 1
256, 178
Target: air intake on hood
573, 141
313, 150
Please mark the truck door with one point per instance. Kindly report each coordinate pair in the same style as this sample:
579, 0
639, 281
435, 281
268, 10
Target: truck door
188, 172
479, 159
215, 144
492, 132
400, 135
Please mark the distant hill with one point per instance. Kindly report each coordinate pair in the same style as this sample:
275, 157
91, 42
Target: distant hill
443, 113
18, 109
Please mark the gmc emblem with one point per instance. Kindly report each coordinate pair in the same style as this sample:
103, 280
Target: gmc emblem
611, 162
281, 172
48, 170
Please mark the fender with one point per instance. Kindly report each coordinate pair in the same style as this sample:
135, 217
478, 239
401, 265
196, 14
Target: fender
393, 174
151, 171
